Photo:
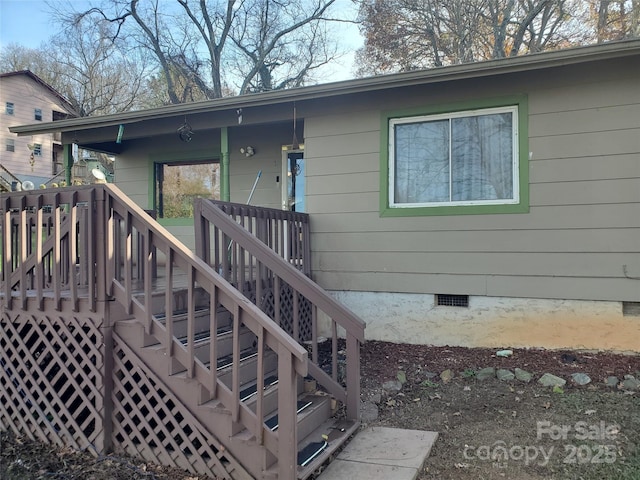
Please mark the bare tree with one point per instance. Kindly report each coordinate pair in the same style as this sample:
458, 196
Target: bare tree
201, 48
82, 63
405, 35
280, 43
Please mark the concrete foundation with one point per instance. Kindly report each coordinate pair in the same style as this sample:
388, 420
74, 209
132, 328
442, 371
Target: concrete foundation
496, 322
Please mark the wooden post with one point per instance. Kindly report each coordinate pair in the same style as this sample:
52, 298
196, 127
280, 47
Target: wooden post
225, 192
287, 416
67, 159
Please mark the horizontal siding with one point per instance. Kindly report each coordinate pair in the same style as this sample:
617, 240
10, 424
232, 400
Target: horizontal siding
623, 190
618, 289
618, 117
582, 229
612, 142
571, 264
604, 167
26, 95
543, 218
607, 240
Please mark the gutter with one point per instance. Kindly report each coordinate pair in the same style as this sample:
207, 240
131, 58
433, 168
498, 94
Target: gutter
535, 61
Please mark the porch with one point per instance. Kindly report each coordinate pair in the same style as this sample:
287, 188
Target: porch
117, 337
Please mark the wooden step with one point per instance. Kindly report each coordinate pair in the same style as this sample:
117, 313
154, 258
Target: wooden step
273, 423
179, 301
335, 433
201, 319
224, 348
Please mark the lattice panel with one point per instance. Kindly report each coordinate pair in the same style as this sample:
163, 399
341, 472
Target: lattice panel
150, 422
267, 305
51, 379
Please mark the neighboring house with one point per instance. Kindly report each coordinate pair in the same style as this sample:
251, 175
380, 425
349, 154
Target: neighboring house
26, 98
493, 204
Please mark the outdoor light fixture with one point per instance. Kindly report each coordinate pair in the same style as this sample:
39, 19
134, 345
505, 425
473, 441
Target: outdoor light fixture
185, 132
248, 151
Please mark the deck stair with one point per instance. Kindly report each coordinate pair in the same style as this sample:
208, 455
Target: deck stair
170, 361
315, 416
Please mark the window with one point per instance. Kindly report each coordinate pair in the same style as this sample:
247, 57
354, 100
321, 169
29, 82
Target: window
178, 184
10, 145
37, 150
38, 114
463, 161
8, 108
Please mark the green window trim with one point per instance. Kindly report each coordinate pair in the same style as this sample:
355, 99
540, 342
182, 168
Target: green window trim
522, 206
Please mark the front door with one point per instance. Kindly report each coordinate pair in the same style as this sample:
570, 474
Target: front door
293, 189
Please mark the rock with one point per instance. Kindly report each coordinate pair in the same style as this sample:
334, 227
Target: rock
523, 375
611, 381
631, 383
446, 376
402, 377
504, 353
568, 358
368, 412
580, 378
392, 386
430, 375
485, 373
549, 380
376, 398
505, 375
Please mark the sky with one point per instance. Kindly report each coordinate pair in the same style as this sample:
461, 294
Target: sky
28, 23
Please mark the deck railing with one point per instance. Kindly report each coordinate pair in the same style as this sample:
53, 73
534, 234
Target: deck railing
257, 269
286, 233
50, 237
48, 248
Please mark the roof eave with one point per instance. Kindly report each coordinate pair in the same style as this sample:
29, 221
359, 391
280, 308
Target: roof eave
501, 66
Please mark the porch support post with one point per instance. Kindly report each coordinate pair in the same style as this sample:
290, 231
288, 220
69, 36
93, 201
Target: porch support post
225, 192
67, 161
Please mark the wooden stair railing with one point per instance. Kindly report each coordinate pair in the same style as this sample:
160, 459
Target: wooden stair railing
127, 222
79, 248
46, 249
241, 257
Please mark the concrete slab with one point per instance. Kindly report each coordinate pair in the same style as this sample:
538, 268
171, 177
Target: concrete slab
381, 453
343, 470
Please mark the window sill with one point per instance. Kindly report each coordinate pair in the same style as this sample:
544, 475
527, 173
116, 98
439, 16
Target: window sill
387, 211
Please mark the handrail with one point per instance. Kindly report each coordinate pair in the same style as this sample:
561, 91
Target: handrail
44, 234
126, 220
248, 254
47, 231
286, 233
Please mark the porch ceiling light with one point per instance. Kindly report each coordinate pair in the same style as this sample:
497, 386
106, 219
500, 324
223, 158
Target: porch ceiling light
185, 132
248, 151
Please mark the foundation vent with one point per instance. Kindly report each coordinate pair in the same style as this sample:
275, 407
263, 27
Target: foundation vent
631, 309
447, 300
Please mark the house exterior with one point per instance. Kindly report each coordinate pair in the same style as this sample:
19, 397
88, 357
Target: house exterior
494, 204
26, 98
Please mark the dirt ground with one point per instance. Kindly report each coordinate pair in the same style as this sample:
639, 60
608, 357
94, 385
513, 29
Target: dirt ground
489, 429
492, 429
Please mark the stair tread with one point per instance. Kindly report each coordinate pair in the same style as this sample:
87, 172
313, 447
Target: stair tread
200, 337
180, 313
250, 391
302, 405
336, 433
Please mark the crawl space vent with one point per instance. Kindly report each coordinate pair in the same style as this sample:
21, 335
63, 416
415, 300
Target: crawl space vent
631, 309
446, 300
